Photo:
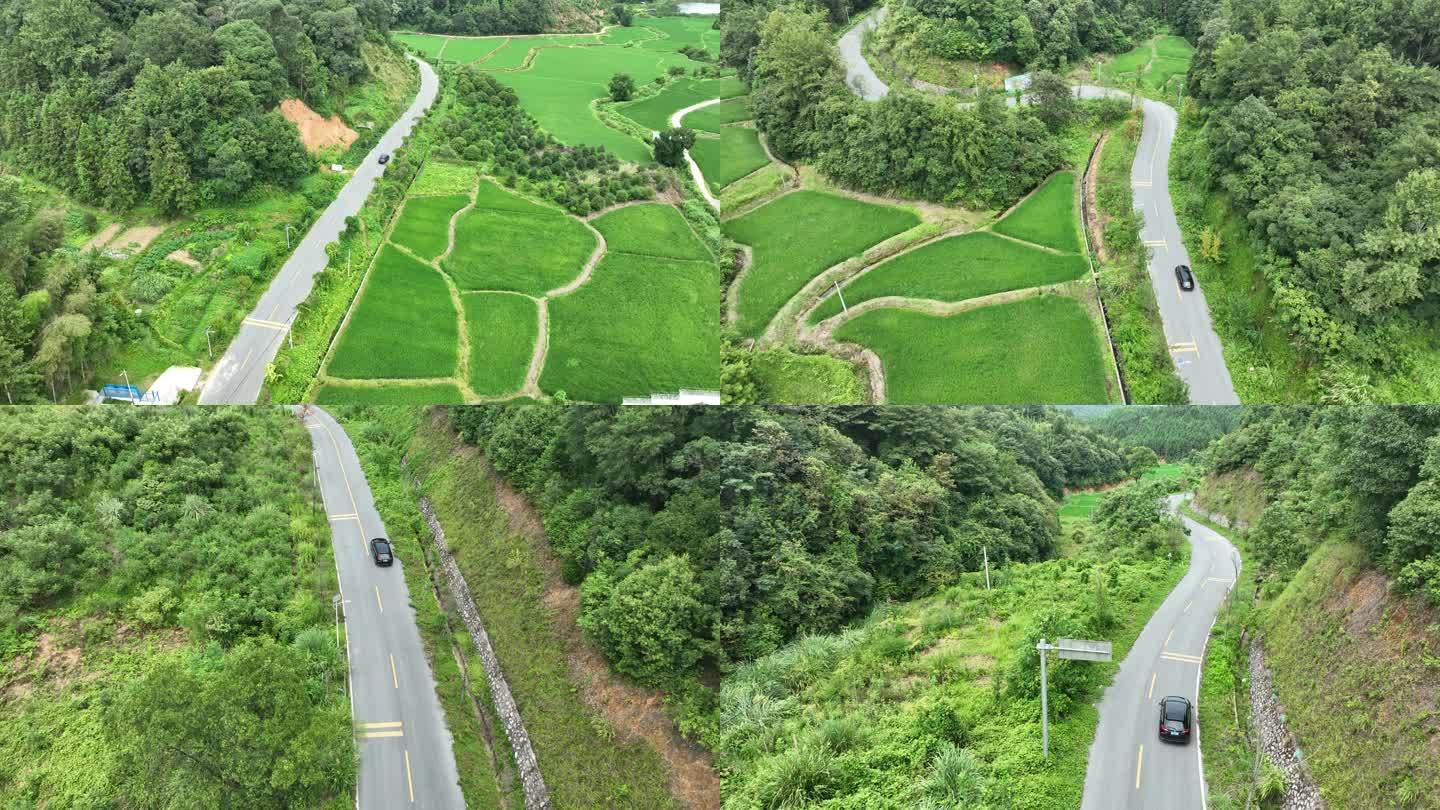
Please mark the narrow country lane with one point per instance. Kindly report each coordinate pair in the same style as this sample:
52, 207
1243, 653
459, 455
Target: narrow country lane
1129, 767
1184, 316
237, 378
695, 173
406, 754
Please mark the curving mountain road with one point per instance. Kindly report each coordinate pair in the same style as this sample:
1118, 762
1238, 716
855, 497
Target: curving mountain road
1130, 768
406, 755
1184, 316
239, 375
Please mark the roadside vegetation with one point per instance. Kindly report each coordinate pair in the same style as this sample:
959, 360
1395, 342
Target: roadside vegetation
97, 295
162, 589
935, 702
1337, 507
1319, 239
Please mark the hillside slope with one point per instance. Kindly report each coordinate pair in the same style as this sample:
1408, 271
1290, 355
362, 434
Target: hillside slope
1367, 722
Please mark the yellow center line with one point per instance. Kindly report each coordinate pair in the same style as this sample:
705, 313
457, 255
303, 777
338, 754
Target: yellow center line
1181, 657
386, 724
1139, 765
380, 601
1167, 638
393, 676
410, 782
1152, 686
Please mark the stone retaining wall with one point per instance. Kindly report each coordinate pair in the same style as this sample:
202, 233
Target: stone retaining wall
537, 796
1275, 740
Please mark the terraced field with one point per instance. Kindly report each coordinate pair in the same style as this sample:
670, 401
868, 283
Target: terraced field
797, 236
523, 302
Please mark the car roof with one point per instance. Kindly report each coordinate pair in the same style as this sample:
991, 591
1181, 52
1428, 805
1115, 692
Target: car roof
379, 540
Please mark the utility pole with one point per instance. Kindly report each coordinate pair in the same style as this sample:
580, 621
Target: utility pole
129, 389
843, 308
210, 350
986, 551
287, 236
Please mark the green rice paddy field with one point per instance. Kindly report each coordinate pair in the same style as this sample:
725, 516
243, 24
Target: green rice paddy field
644, 322
1047, 217
956, 268
797, 236
403, 326
423, 394
1042, 349
564, 75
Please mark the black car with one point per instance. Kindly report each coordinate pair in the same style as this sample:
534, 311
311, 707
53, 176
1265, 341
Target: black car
380, 550
1175, 714
1185, 277
385, 158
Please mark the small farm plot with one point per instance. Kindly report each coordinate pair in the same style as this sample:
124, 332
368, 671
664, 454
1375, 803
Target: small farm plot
651, 229
427, 45
424, 225
391, 394
956, 268
502, 328
441, 177
641, 325
735, 153
712, 118
464, 50
561, 84
796, 237
517, 252
1042, 349
1047, 216
404, 325
654, 112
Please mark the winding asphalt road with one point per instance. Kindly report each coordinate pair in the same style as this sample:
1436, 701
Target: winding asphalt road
406, 758
1184, 316
239, 375
1130, 768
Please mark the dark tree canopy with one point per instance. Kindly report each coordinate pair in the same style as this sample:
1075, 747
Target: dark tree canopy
755, 527
171, 107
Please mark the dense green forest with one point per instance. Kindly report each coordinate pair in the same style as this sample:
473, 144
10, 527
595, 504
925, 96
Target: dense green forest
707, 537
1174, 432
907, 144
935, 703
165, 582
168, 104
1054, 34
1368, 473
480, 17
1319, 124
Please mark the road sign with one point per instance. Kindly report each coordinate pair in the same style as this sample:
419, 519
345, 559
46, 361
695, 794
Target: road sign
1078, 649
1083, 650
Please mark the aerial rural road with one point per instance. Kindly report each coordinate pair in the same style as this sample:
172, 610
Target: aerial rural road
1185, 316
1129, 766
406, 758
237, 378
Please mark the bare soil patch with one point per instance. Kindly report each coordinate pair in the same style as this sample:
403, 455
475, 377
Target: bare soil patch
100, 239
183, 257
136, 238
317, 132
